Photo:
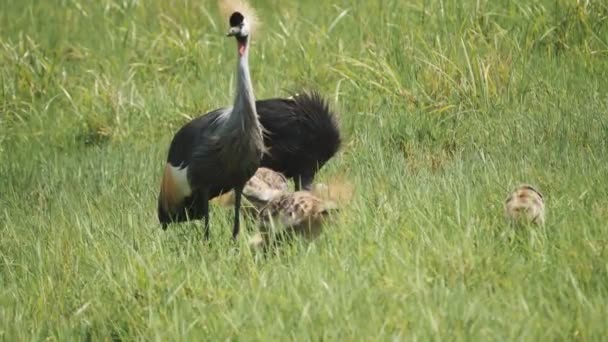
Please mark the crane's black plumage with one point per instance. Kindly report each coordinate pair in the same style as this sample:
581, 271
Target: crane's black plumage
183, 154
301, 135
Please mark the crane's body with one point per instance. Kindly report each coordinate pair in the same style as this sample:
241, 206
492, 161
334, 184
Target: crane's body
189, 168
301, 135
217, 153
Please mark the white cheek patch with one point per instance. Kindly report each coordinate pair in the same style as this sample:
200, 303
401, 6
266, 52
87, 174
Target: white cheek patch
180, 180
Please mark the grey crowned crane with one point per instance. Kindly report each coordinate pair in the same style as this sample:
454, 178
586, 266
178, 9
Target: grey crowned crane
219, 151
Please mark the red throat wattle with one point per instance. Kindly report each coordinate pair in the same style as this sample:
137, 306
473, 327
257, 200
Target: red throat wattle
242, 47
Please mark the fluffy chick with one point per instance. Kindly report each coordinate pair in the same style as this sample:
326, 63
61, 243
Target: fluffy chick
525, 204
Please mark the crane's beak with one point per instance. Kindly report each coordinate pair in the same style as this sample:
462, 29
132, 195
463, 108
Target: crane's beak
233, 31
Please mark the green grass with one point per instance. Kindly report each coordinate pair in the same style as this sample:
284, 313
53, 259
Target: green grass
445, 106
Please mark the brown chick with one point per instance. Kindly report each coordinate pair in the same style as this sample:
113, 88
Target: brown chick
265, 185
525, 205
298, 213
259, 189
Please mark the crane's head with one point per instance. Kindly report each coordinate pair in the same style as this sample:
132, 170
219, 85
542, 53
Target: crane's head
242, 19
239, 27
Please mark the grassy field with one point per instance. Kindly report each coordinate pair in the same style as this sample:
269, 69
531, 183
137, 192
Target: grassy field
445, 106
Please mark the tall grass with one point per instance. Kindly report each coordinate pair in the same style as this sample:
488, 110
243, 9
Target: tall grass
444, 107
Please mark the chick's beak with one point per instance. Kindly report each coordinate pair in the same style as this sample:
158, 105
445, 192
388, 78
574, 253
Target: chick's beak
233, 31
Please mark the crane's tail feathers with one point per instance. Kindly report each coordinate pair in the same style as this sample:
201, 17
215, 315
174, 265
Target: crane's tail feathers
227, 7
320, 118
314, 106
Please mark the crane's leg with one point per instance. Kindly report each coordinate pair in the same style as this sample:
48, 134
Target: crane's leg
296, 182
303, 182
205, 207
238, 191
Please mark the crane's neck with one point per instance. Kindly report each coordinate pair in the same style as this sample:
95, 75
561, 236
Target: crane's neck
244, 114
